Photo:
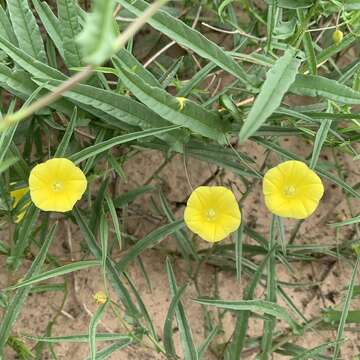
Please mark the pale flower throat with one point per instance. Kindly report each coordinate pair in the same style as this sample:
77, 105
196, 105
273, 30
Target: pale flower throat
57, 186
290, 191
210, 214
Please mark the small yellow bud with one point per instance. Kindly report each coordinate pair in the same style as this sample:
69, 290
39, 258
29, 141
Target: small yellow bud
337, 36
100, 298
356, 249
181, 100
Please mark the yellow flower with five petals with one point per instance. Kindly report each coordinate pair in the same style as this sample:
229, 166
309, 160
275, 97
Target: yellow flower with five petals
292, 190
212, 212
56, 185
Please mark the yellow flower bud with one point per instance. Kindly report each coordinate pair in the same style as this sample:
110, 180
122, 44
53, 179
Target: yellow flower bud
181, 100
337, 36
100, 298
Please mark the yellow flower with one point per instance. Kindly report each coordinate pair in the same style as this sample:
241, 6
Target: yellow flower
212, 212
100, 298
292, 190
56, 185
17, 195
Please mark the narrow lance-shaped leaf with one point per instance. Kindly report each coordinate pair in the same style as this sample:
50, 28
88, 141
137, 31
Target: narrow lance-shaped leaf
60, 271
92, 329
70, 28
186, 337
26, 29
293, 4
277, 83
188, 114
80, 338
6, 30
125, 112
64, 143
257, 306
311, 85
149, 241
98, 36
117, 140
50, 22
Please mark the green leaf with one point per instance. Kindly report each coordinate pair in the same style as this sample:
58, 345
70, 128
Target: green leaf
293, 4
311, 85
190, 115
320, 139
238, 236
12, 310
125, 59
202, 349
64, 143
60, 271
168, 331
308, 43
115, 141
331, 316
346, 308
256, 306
114, 218
131, 195
6, 30
70, 28
95, 319
125, 112
149, 241
26, 29
242, 318
51, 23
352, 221
277, 83
271, 287
23, 236
106, 352
81, 338
310, 354
189, 38
98, 37
30, 63
186, 337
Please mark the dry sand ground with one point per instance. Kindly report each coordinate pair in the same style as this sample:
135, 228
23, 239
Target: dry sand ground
40, 308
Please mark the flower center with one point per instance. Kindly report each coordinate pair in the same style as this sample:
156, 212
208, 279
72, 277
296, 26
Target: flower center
210, 214
57, 186
290, 190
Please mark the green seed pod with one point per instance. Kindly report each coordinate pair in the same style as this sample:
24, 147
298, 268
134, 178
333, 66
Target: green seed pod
337, 36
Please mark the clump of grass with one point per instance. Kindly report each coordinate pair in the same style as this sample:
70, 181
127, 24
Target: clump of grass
211, 81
